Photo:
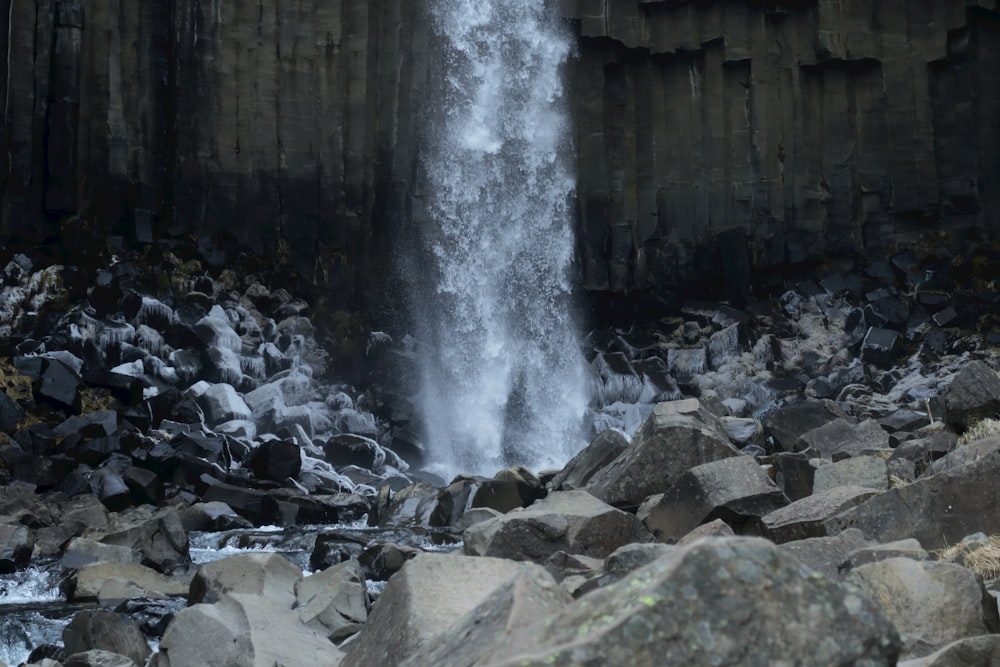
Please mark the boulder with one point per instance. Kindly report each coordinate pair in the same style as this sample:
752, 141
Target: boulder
678, 436
81, 551
221, 403
16, 545
430, 594
785, 425
841, 437
827, 555
334, 601
86, 583
381, 561
602, 450
504, 495
806, 517
11, 413
214, 516
243, 631
718, 601
528, 599
276, 460
254, 505
974, 394
967, 453
157, 534
105, 630
733, 489
571, 521
931, 603
938, 511
267, 574
867, 471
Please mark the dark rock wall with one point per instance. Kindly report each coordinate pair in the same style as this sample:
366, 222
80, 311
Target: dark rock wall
806, 128
710, 134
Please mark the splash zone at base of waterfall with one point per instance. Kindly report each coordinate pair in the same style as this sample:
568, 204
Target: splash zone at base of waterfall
502, 378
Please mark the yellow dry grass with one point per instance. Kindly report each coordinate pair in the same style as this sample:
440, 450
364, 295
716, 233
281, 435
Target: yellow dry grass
981, 429
980, 557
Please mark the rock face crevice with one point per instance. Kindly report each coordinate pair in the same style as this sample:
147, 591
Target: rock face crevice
712, 138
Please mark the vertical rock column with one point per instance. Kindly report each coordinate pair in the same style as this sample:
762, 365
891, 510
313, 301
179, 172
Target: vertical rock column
63, 118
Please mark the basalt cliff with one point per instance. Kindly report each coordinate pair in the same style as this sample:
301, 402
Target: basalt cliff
715, 140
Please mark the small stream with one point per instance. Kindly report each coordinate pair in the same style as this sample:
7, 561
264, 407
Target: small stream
33, 611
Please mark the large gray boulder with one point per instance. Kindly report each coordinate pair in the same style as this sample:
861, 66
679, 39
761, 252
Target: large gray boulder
718, 601
931, 603
528, 599
827, 555
243, 631
334, 601
842, 437
267, 574
602, 450
570, 521
734, 489
807, 517
678, 436
785, 425
974, 394
938, 511
867, 471
157, 534
430, 594
87, 582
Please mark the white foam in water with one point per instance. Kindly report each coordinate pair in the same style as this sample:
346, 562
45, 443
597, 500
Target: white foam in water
503, 381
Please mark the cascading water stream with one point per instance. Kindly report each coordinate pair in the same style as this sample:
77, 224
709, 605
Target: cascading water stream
503, 380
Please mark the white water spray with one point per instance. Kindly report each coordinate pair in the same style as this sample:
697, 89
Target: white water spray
504, 381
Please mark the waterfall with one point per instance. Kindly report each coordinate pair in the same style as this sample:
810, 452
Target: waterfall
502, 379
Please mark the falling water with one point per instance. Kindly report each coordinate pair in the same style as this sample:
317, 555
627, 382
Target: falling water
503, 381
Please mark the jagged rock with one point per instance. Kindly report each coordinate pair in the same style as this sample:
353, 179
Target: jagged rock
734, 489
841, 437
785, 425
106, 631
431, 593
222, 403
411, 506
349, 449
157, 534
602, 450
677, 437
504, 495
794, 473
16, 545
805, 518
826, 555
256, 506
381, 561
334, 601
691, 605
11, 413
110, 487
528, 599
59, 384
974, 394
571, 521
277, 460
931, 604
967, 453
937, 511
867, 471
619, 564
243, 631
267, 574
981, 651
81, 550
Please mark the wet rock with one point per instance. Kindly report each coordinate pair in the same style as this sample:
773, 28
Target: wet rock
504, 495
266, 574
973, 394
981, 651
254, 505
411, 506
714, 590
931, 604
243, 631
602, 450
381, 561
571, 521
734, 489
334, 601
785, 425
214, 517
16, 545
427, 596
677, 437
157, 534
937, 511
276, 460
349, 449
106, 631
805, 518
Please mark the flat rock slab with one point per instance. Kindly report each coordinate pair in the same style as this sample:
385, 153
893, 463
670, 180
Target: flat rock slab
267, 574
718, 601
787, 424
805, 518
86, 584
570, 521
827, 555
842, 437
937, 511
867, 471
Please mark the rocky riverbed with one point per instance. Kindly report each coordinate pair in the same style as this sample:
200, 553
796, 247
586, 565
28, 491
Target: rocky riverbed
218, 473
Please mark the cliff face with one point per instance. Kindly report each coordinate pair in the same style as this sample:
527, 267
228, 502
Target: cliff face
711, 135
780, 132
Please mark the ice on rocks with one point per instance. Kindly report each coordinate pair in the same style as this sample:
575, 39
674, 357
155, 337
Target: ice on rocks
216, 331
222, 403
112, 332
154, 313
149, 339
187, 364
253, 366
134, 369
355, 422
